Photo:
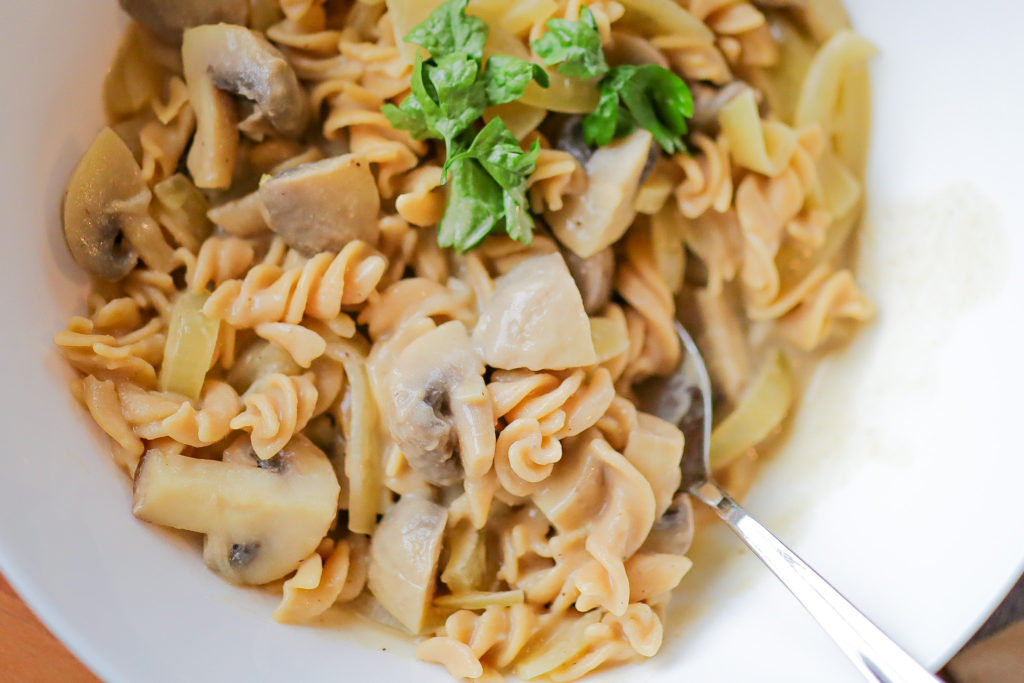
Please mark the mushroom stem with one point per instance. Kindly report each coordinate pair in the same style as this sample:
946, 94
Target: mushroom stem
220, 60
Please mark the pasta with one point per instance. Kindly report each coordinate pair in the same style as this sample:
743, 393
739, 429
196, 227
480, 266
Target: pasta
379, 288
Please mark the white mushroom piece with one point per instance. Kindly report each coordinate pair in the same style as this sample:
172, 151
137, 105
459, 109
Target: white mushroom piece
596, 218
167, 19
261, 517
221, 60
535, 319
324, 205
434, 407
404, 554
106, 209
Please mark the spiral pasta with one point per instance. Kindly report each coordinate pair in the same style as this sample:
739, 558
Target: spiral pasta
317, 288
452, 440
276, 407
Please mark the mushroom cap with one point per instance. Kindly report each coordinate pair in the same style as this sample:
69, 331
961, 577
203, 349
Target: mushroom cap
261, 518
323, 205
167, 20
595, 219
422, 384
223, 59
404, 554
105, 190
535, 319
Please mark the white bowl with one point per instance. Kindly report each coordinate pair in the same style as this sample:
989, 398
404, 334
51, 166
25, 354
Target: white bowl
900, 482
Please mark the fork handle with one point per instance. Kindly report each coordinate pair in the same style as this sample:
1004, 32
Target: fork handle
874, 654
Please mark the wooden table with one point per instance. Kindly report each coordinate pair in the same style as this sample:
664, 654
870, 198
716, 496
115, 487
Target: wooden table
28, 653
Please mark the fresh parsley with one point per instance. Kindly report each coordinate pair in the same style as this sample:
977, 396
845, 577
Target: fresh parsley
449, 29
486, 170
498, 153
574, 45
647, 95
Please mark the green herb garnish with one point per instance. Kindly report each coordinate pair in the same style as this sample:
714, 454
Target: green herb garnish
649, 96
450, 91
574, 45
486, 169
498, 153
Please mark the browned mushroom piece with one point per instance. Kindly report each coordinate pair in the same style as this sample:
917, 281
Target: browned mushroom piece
261, 517
672, 534
169, 19
106, 212
323, 205
708, 102
221, 60
425, 415
597, 217
594, 276
404, 554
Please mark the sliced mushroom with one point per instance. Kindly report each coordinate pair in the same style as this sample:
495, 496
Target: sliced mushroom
569, 138
672, 534
593, 220
404, 553
535, 319
261, 518
708, 102
427, 415
324, 205
107, 200
594, 277
241, 217
220, 60
168, 19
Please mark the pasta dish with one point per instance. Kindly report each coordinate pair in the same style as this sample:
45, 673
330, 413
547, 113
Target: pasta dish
378, 287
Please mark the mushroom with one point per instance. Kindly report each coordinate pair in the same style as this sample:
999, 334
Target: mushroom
594, 277
708, 102
570, 138
404, 554
324, 205
430, 414
261, 517
107, 200
220, 60
593, 220
535, 319
672, 534
167, 20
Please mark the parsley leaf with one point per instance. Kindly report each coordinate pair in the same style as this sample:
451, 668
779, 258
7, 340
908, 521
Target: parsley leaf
497, 152
474, 206
506, 78
574, 45
459, 98
486, 171
649, 96
449, 29
409, 116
